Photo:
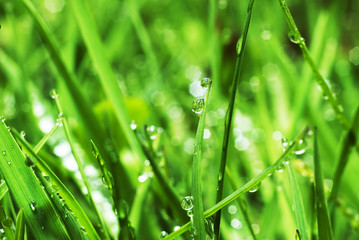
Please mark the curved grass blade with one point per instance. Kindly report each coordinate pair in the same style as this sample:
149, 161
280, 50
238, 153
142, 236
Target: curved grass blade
26, 191
297, 38
246, 187
20, 225
302, 231
65, 193
198, 219
324, 225
3, 189
229, 115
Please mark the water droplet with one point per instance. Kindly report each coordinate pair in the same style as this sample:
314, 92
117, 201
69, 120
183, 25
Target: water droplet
220, 176
33, 205
82, 228
206, 82
133, 125
42, 227
239, 45
280, 167
295, 38
163, 234
3, 119
11, 146
197, 105
4, 152
23, 133
9, 161
285, 144
152, 133
187, 203
7, 222
255, 188
123, 209
190, 214
301, 147
53, 94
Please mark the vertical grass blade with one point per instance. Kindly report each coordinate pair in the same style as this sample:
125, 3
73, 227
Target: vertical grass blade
40, 214
106, 74
324, 225
297, 38
3, 189
20, 225
198, 219
229, 114
299, 211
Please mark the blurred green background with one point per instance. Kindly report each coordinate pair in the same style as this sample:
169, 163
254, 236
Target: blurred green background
159, 51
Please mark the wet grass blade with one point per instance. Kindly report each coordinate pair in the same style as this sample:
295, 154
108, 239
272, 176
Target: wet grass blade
42, 142
229, 115
299, 211
64, 192
297, 38
3, 189
198, 219
324, 225
246, 187
20, 225
44, 221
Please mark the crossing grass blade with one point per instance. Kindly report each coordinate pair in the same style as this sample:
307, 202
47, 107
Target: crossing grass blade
324, 225
246, 187
20, 226
40, 215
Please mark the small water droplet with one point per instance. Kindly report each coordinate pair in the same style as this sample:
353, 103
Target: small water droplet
163, 234
220, 176
133, 125
190, 213
23, 133
4, 152
42, 227
11, 146
239, 45
33, 206
123, 209
197, 105
53, 94
280, 167
285, 144
82, 228
187, 203
206, 82
3, 119
9, 161
255, 188
301, 147
295, 38
7, 222
152, 132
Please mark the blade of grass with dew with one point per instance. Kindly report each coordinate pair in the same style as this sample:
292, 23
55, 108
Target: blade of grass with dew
229, 114
198, 219
324, 225
79, 164
246, 187
297, 38
26, 191
42, 142
106, 74
20, 225
298, 205
65, 193
348, 143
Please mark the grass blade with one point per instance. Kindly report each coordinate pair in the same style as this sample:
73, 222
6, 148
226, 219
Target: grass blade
246, 187
27, 192
229, 114
3, 189
106, 74
299, 212
198, 219
20, 225
297, 38
324, 225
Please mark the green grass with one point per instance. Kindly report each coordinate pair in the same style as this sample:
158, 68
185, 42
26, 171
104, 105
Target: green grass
115, 147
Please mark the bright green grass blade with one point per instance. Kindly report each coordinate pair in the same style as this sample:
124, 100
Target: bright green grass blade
324, 225
40, 214
78, 161
20, 225
298, 205
246, 187
42, 142
229, 115
106, 74
297, 38
3, 189
348, 144
64, 192
198, 220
